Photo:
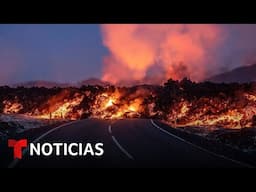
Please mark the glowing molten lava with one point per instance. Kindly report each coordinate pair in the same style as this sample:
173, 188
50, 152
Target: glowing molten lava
214, 112
63, 109
114, 106
109, 103
180, 104
11, 107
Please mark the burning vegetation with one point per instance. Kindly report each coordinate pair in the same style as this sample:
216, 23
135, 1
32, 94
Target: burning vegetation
179, 103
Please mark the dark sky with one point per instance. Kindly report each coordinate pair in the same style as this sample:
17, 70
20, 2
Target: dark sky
65, 53
71, 53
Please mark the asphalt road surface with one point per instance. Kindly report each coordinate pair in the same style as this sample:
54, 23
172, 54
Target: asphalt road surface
127, 143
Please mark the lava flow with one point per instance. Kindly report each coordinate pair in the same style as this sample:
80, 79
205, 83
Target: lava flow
62, 109
112, 106
11, 107
179, 103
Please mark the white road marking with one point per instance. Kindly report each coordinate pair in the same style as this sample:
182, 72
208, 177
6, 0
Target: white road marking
109, 129
118, 144
15, 161
121, 148
200, 148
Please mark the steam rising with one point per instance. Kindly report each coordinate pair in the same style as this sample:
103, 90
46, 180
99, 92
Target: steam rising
159, 52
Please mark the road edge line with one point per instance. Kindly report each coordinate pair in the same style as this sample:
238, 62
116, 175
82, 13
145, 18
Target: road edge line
109, 129
200, 148
118, 144
121, 148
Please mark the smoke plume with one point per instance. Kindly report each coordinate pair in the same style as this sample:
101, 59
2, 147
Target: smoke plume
157, 52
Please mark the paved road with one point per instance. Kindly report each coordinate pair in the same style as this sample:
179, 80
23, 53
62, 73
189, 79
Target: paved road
127, 143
